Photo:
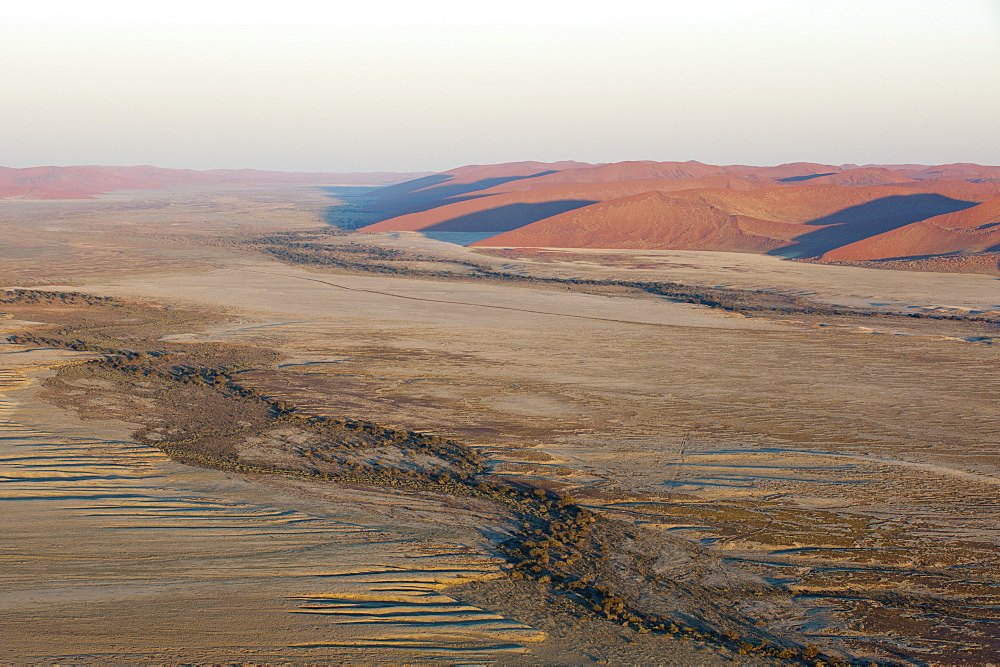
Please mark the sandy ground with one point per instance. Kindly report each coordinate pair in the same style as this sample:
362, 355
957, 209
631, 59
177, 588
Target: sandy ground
113, 552
841, 285
822, 457
773, 441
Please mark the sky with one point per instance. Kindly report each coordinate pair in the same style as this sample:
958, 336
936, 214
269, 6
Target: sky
428, 85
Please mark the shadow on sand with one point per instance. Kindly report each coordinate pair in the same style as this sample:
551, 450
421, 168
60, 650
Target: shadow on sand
870, 219
423, 194
509, 217
367, 205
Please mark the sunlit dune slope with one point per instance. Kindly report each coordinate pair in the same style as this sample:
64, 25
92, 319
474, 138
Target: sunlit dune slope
651, 220
631, 171
790, 172
690, 171
975, 229
479, 181
967, 190
510, 210
862, 177
796, 210
807, 220
456, 185
961, 171
801, 203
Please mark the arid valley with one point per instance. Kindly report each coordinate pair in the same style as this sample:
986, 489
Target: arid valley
253, 421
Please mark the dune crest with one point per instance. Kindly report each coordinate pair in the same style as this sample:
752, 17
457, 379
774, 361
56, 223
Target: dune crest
796, 210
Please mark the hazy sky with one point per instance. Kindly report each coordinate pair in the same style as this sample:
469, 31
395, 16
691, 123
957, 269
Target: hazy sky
432, 84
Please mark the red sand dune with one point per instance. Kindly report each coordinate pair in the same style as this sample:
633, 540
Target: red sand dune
960, 171
634, 171
474, 173
490, 180
479, 177
651, 220
862, 177
967, 190
792, 170
645, 171
447, 187
809, 219
975, 229
793, 210
795, 204
478, 181
838, 213
593, 178
579, 192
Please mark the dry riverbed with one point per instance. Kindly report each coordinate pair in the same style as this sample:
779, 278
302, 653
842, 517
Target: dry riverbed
849, 462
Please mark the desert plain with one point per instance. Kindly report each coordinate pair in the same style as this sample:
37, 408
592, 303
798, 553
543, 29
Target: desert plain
821, 479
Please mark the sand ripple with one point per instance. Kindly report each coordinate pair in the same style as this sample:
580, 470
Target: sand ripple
90, 523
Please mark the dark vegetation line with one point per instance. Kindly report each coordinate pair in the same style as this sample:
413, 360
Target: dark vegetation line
308, 248
44, 297
986, 262
558, 542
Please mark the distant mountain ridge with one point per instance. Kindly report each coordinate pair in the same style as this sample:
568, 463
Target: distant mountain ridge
82, 182
846, 213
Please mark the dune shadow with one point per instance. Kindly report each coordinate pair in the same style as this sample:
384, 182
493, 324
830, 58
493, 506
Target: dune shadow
869, 219
509, 217
409, 187
807, 177
352, 211
429, 192
363, 205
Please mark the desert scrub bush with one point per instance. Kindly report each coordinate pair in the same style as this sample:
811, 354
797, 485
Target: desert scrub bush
31, 296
